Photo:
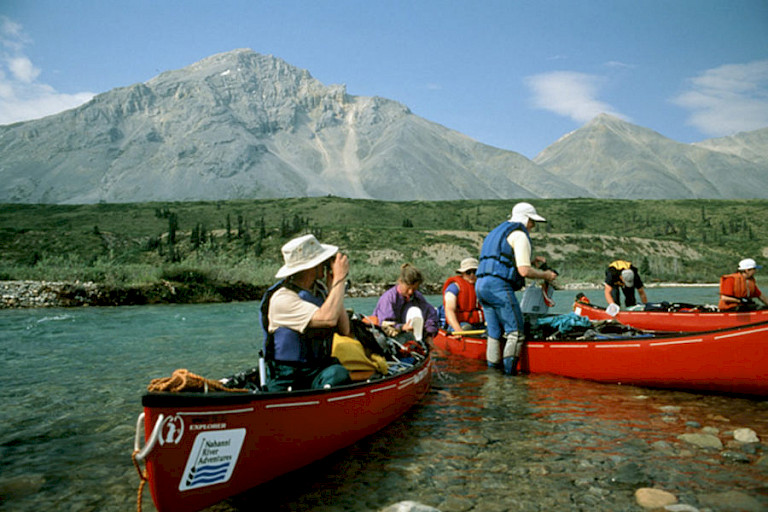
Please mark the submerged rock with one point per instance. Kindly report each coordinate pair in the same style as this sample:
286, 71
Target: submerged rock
654, 498
702, 440
745, 435
409, 506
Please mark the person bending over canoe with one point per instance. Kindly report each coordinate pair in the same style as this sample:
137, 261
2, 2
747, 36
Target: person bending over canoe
505, 263
623, 275
301, 312
392, 309
462, 310
737, 290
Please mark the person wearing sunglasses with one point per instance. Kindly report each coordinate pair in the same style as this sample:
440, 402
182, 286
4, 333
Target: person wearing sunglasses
460, 305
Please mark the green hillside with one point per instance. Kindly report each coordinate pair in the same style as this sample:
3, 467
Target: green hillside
239, 241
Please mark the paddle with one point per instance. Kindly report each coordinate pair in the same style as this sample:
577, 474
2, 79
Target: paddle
468, 333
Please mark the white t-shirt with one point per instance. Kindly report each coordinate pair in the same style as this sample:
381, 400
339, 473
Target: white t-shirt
287, 309
520, 243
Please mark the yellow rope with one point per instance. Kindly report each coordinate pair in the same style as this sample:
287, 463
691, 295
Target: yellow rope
184, 380
142, 478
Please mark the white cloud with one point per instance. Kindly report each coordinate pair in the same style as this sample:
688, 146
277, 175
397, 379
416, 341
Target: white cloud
22, 97
23, 70
569, 94
618, 64
728, 99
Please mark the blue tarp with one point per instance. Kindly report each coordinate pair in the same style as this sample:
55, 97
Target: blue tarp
565, 323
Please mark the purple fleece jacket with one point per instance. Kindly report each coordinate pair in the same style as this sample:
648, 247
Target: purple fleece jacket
393, 307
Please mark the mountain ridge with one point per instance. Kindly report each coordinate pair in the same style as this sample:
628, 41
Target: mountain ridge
244, 125
660, 168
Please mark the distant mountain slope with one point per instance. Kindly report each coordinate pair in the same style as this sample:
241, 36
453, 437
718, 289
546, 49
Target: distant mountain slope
752, 146
244, 125
615, 159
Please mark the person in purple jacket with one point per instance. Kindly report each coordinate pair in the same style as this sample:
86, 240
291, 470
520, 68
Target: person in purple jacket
392, 309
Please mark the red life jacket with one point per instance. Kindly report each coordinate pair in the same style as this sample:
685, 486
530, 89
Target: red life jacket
737, 285
467, 308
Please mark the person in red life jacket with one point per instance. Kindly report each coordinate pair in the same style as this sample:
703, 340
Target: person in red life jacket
737, 290
622, 276
505, 263
300, 314
462, 310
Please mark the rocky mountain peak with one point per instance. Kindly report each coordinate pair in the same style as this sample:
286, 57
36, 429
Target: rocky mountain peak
244, 125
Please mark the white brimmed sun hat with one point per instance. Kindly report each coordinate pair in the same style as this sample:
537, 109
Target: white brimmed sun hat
748, 263
304, 253
467, 264
524, 211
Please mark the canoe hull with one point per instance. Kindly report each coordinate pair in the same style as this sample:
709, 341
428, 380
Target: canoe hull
724, 361
215, 446
686, 321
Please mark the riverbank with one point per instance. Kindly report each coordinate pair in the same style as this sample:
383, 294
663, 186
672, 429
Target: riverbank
62, 294
57, 294
41, 294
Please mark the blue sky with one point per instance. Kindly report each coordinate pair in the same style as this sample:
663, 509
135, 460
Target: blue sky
513, 74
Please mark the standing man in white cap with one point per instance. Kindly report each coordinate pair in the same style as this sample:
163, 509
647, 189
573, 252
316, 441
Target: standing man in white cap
462, 309
300, 313
737, 290
505, 263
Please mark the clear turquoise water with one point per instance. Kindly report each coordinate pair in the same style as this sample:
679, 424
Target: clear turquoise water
71, 381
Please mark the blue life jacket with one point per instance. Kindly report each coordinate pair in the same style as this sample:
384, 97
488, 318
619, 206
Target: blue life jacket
287, 346
497, 257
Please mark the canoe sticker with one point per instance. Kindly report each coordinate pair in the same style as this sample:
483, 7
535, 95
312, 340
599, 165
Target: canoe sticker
212, 459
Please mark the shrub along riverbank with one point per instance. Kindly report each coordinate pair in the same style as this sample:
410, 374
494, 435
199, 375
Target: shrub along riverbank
230, 250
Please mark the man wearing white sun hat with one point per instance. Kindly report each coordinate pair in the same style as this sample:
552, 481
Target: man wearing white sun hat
738, 289
300, 314
505, 263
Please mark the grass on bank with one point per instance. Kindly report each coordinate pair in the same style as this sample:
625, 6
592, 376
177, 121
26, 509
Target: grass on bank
239, 241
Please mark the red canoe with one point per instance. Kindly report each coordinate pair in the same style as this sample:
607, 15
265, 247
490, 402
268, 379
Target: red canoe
687, 319
201, 448
731, 360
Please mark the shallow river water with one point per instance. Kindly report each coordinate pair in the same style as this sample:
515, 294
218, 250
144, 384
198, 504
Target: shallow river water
71, 381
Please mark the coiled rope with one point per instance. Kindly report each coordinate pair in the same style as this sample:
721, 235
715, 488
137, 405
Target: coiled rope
184, 380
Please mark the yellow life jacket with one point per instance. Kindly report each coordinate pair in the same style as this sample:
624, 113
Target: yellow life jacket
621, 265
360, 363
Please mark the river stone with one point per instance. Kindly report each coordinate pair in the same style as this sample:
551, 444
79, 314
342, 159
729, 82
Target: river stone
629, 474
731, 501
702, 440
680, 507
409, 506
654, 498
734, 456
21, 486
745, 435
456, 504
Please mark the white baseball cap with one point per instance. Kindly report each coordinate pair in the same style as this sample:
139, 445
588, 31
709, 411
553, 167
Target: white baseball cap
748, 263
524, 211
